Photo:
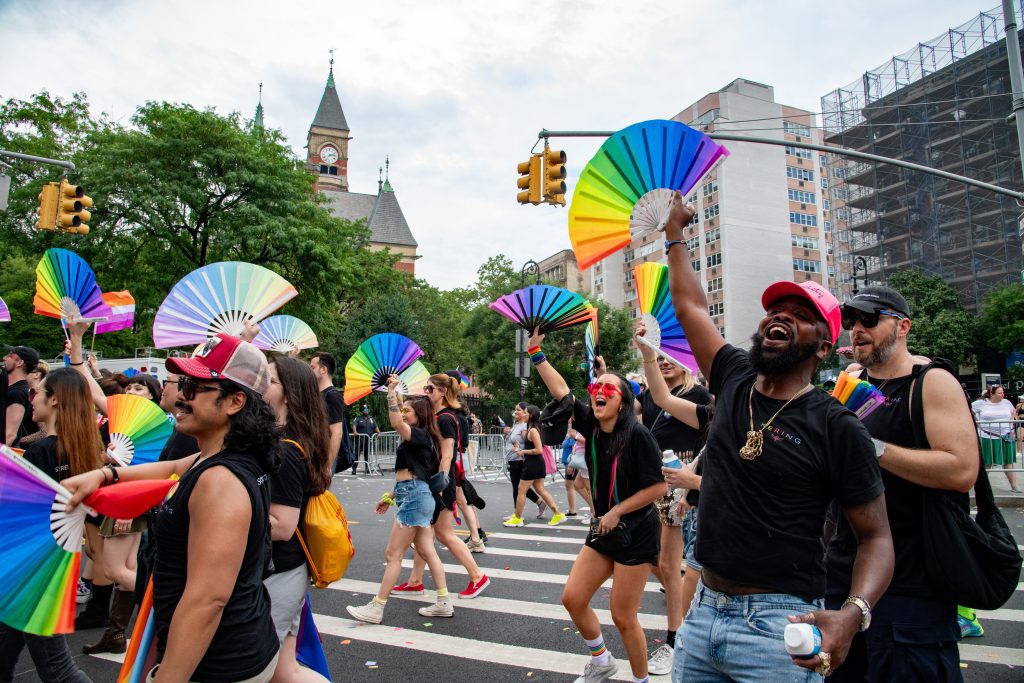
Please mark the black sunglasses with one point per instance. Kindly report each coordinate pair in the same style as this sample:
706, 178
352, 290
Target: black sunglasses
189, 388
851, 316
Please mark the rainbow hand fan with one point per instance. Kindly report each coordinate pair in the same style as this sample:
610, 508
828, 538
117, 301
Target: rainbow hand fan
66, 288
413, 379
5, 315
39, 548
663, 329
629, 184
219, 297
377, 358
138, 429
858, 395
545, 307
122, 312
284, 333
591, 341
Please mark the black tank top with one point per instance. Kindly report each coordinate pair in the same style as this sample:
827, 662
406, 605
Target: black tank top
245, 641
903, 500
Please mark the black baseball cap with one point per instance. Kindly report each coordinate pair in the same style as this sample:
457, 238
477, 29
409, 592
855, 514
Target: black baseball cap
26, 353
872, 299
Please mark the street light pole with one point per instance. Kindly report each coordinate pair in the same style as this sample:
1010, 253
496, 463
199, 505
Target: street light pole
1016, 87
860, 264
531, 268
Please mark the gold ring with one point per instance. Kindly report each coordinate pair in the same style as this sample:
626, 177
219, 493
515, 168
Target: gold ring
825, 668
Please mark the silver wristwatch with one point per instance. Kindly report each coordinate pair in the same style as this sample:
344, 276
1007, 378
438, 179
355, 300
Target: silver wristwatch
865, 610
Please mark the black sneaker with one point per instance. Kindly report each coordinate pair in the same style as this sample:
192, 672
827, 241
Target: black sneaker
570, 514
483, 535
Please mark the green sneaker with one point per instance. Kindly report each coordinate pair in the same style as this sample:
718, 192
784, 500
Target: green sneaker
557, 519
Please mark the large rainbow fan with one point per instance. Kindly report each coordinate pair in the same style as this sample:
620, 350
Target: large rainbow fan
284, 333
858, 395
138, 429
376, 359
659, 316
220, 297
66, 288
413, 379
592, 342
5, 315
39, 549
545, 307
628, 185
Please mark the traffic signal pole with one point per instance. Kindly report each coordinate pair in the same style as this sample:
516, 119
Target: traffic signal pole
37, 160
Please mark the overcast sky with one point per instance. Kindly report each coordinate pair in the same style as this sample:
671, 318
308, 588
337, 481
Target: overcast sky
454, 91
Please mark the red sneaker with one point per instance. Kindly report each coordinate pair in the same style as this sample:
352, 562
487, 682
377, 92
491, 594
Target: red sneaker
475, 589
407, 589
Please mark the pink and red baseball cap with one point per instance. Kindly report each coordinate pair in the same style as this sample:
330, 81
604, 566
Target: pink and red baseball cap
226, 357
822, 299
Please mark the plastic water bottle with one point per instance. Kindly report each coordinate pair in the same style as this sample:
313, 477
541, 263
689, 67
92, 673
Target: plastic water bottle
802, 640
670, 459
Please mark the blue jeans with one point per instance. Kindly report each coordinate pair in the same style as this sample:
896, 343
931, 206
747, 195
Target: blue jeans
415, 503
50, 655
738, 638
690, 539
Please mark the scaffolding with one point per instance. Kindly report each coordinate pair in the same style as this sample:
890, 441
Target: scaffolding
943, 104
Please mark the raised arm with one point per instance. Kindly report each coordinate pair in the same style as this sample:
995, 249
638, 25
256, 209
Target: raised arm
395, 409
687, 293
552, 380
679, 408
77, 330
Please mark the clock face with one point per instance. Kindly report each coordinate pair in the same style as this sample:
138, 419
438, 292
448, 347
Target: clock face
328, 154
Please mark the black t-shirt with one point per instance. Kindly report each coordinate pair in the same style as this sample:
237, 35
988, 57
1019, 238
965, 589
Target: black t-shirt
365, 425
703, 416
417, 454
245, 641
639, 461
670, 433
450, 426
289, 486
17, 394
335, 403
762, 520
179, 446
43, 454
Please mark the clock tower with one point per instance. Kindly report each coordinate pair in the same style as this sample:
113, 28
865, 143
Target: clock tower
327, 141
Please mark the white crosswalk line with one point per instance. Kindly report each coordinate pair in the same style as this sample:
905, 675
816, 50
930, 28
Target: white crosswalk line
535, 554
523, 608
992, 655
535, 537
568, 526
1002, 614
536, 577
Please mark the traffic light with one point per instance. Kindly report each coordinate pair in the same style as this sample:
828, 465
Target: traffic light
529, 181
47, 210
73, 214
554, 177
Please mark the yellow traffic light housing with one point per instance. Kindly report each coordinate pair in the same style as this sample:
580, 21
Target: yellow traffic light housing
529, 181
554, 176
72, 214
47, 211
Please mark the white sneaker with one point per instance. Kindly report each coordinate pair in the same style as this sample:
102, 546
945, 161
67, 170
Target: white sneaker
476, 546
584, 520
82, 593
660, 662
598, 673
370, 613
441, 608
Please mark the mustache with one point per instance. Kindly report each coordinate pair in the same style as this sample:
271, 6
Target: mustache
183, 407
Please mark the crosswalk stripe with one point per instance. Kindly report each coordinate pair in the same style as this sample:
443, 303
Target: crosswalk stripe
568, 526
517, 575
536, 537
1002, 614
992, 655
536, 554
523, 608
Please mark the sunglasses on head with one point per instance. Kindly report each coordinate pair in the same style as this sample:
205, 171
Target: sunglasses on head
189, 388
606, 388
851, 316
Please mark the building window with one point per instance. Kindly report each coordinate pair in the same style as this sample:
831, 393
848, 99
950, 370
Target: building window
716, 309
693, 243
715, 284
804, 242
799, 173
803, 218
806, 265
838, 172
842, 214
710, 211
628, 254
802, 197
647, 249
823, 160
796, 128
828, 226
706, 118
695, 265
840, 193
826, 205
323, 169
598, 280
799, 153
824, 183
712, 235
709, 188
831, 271
714, 260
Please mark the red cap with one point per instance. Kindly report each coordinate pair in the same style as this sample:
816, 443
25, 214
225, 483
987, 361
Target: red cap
226, 357
826, 304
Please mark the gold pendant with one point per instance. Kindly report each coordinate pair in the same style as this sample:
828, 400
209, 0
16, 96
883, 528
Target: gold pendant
752, 448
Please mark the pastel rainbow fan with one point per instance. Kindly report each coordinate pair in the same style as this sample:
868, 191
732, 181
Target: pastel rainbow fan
284, 333
663, 329
66, 288
545, 307
413, 379
5, 315
138, 429
219, 297
376, 359
39, 549
628, 186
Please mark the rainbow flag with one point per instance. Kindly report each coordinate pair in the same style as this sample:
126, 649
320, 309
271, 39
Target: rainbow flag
309, 649
122, 307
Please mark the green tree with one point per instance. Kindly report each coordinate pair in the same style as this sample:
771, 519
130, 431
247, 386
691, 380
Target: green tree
17, 288
1002, 318
941, 326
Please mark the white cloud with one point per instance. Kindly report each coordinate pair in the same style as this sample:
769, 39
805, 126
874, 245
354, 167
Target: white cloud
454, 92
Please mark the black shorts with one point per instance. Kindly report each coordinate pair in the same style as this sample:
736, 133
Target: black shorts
569, 474
533, 468
645, 542
94, 520
444, 501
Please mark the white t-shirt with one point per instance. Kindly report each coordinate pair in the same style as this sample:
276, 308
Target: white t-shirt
994, 419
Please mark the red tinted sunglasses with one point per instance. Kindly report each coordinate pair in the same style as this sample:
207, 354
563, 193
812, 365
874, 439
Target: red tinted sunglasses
606, 388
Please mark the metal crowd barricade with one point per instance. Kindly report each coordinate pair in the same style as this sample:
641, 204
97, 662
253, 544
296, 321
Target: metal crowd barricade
490, 452
994, 430
383, 448
360, 444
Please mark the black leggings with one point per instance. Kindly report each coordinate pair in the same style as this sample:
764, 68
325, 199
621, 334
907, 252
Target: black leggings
515, 473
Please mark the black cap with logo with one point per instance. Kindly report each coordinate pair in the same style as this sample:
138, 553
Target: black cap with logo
872, 299
27, 354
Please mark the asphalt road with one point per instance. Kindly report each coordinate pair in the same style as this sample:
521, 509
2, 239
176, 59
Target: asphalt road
517, 630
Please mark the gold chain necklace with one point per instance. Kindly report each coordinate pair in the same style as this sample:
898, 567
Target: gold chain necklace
755, 437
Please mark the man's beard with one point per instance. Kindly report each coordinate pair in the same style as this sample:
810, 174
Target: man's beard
881, 351
795, 354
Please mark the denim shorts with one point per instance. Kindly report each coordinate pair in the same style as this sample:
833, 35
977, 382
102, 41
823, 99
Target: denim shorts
738, 638
690, 539
415, 503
